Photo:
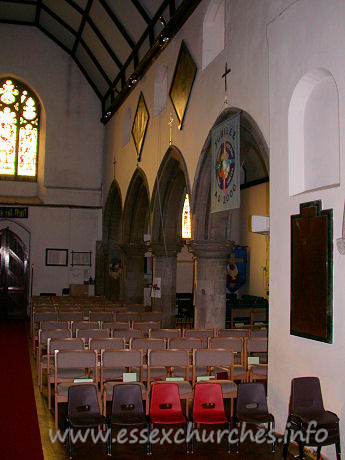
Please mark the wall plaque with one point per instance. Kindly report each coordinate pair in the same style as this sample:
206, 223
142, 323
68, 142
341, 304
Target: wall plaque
312, 272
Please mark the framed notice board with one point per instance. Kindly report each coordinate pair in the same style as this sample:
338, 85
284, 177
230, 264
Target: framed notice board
311, 313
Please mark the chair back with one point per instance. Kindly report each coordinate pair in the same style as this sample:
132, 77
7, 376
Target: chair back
232, 332
71, 315
145, 326
208, 402
101, 316
233, 343
82, 402
127, 402
43, 336
127, 333
124, 360
164, 333
256, 347
127, 316
254, 333
306, 395
53, 325
143, 343
211, 358
83, 325
151, 316
65, 344
200, 333
75, 361
251, 400
185, 343
115, 325
45, 316
166, 361
165, 402
92, 333
98, 343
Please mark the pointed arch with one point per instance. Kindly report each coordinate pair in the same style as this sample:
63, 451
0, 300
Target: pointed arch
217, 226
112, 239
136, 211
170, 188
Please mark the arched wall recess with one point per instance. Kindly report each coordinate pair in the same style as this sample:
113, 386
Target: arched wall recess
313, 133
213, 31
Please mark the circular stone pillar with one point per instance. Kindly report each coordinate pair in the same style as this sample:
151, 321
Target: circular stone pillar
134, 271
210, 284
164, 267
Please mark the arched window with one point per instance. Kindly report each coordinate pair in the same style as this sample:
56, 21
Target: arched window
19, 131
186, 222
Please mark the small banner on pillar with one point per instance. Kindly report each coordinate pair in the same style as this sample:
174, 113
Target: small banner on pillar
225, 172
156, 288
236, 269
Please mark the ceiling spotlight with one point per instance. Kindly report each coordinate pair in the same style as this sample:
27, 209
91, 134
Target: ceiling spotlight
163, 21
132, 80
163, 39
108, 114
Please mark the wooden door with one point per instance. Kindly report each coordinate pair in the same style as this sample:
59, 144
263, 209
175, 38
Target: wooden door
14, 275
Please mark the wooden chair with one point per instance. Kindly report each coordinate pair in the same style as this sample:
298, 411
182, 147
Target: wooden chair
204, 334
164, 333
256, 348
161, 365
114, 363
232, 332
69, 366
84, 325
215, 360
42, 354
237, 346
54, 344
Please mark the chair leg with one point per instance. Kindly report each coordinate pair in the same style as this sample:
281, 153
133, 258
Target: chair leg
49, 396
318, 453
229, 428
287, 441
109, 440
192, 440
272, 428
69, 443
186, 435
148, 445
337, 447
56, 415
301, 450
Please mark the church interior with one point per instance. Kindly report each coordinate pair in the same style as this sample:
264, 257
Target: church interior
172, 170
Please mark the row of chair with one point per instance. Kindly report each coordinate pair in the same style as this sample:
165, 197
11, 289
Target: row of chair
162, 365
306, 406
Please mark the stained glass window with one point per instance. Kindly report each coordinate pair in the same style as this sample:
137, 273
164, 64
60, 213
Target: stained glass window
19, 130
186, 221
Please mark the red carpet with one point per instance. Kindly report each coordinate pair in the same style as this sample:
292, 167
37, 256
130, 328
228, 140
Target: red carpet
19, 430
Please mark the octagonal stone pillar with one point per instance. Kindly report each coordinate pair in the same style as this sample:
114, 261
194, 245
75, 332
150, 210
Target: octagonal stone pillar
134, 271
210, 283
164, 267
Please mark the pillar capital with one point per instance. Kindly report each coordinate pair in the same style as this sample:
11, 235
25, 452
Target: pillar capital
165, 250
210, 249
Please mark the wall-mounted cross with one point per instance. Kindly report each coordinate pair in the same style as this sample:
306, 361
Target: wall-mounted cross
170, 123
225, 81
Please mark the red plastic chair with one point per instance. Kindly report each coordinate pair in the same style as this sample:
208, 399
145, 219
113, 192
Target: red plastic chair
165, 406
208, 407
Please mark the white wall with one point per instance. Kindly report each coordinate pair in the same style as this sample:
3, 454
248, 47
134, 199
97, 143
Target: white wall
301, 35
70, 156
71, 146
304, 37
59, 228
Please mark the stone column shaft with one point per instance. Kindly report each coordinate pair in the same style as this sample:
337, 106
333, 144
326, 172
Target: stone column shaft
210, 285
134, 271
164, 267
